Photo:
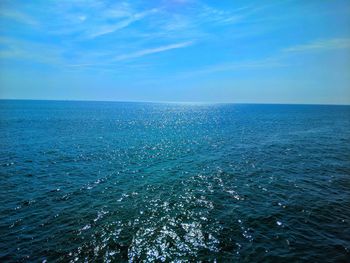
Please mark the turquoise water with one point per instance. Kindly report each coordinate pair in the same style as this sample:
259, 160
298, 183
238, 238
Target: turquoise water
104, 181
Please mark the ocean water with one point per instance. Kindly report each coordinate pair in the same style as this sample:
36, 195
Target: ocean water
144, 182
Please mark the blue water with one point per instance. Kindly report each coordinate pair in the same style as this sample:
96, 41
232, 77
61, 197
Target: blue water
117, 182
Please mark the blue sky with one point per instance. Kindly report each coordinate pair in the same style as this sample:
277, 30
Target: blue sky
176, 50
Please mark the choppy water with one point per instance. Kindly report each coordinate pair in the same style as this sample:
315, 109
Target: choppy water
99, 181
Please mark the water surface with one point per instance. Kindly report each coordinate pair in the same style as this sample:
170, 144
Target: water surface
104, 181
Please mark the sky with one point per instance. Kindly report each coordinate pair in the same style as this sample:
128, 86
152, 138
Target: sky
225, 51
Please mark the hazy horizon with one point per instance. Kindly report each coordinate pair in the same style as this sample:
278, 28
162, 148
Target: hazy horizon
180, 102
176, 50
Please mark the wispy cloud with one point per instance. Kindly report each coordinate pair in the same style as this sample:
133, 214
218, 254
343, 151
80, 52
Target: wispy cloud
18, 17
149, 51
29, 51
110, 28
319, 45
234, 66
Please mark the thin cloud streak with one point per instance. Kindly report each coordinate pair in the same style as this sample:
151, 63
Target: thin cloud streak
328, 44
18, 17
150, 51
235, 66
20, 50
108, 29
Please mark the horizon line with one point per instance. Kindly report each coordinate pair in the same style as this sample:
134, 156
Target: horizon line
180, 102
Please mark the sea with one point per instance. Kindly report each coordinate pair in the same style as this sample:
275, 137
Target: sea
173, 182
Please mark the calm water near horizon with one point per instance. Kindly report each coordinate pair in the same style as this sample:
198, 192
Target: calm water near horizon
114, 181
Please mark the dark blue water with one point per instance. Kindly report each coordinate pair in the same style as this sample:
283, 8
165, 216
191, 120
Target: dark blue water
103, 181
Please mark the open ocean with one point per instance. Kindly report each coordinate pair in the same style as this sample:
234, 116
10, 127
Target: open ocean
118, 182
